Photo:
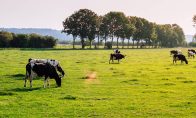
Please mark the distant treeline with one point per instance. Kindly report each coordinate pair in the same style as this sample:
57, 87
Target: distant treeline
88, 26
8, 39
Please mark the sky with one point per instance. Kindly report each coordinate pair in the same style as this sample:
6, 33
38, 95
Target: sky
51, 13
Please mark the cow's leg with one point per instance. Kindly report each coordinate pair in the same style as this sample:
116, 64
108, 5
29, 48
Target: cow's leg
25, 79
31, 79
118, 60
174, 61
46, 80
44, 83
109, 61
31, 82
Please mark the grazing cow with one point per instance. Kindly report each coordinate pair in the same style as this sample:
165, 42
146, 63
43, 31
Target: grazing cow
116, 57
181, 57
41, 69
191, 54
173, 52
53, 62
192, 50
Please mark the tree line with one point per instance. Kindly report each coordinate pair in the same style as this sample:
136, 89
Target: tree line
135, 31
8, 39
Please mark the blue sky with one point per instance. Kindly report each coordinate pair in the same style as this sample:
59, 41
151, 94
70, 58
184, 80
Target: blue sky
51, 13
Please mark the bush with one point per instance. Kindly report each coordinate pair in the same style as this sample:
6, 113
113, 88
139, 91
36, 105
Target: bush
108, 45
5, 38
192, 44
19, 41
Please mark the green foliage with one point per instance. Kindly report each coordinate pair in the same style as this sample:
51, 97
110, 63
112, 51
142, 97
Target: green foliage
82, 23
19, 41
5, 38
108, 45
26, 41
192, 44
87, 25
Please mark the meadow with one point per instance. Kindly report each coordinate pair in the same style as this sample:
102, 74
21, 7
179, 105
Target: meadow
145, 84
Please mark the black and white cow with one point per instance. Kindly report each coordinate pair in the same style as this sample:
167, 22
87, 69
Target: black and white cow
117, 56
42, 70
180, 57
53, 62
192, 50
191, 53
173, 52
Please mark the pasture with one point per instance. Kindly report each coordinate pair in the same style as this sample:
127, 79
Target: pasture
145, 84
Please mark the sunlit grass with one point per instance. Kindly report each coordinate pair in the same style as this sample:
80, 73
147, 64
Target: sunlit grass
145, 84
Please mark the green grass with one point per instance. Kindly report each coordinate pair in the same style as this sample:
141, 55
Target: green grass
145, 84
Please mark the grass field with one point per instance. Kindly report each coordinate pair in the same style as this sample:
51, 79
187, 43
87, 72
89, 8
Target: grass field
145, 84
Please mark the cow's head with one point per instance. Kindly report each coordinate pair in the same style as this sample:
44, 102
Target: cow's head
123, 56
58, 81
60, 70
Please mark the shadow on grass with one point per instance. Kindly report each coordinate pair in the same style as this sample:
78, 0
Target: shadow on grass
114, 63
18, 76
6, 93
25, 89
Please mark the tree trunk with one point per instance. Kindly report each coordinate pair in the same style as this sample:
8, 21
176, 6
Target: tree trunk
112, 39
128, 43
98, 42
105, 42
90, 44
74, 38
117, 42
137, 43
82, 41
133, 44
123, 42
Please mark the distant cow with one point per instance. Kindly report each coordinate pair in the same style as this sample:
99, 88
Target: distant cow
53, 62
116, 57
173, 52
192, 50
191, 53
42, 70
180, 57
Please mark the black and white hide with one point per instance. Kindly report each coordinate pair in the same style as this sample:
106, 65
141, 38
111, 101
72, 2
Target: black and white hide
53, 62
42, 70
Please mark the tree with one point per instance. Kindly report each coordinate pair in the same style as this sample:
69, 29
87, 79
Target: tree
50, 41
194, 19
85, 23
138, 24
104, 29
180, 34
114, 22
5, 38
154, 35
71, 27
19, 41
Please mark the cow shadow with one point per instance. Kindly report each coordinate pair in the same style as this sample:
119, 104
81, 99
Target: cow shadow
114, 63
18, 76
25, 89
